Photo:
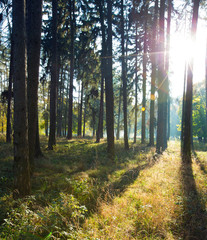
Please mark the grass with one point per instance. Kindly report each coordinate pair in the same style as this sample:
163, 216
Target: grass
78, 194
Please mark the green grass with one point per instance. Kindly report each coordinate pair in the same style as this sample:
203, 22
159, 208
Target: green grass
77, 193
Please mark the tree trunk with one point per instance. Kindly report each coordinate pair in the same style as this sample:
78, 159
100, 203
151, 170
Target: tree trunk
124, 79
187, 137
72, 30
136, 87
38, 151
119, 114
21, 151
60, 104
153, 76
144, 81
206, 90
84, 120
103, 62
54, 78
109, 87
34, 23
8, 126
161, 77
80, 112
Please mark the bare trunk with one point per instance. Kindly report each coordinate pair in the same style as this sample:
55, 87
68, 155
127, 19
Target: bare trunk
153, 76
119, 114
21, 152
109, 87
136, 88
187, 137
144, 84
161, 78
54, 77
80, 112
124, 79
70, 111
8, 126
34, 22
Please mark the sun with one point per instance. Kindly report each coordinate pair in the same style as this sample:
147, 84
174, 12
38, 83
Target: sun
182, 50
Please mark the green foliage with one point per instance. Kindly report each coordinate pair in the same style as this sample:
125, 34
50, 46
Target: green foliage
59, 219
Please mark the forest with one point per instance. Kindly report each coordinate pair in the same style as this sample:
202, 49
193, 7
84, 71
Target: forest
103, 119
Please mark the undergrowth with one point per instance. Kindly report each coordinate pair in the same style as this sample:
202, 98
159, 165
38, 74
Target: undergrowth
77, 193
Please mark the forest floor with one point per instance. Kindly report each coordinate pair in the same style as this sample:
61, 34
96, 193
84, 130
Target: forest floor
77, 193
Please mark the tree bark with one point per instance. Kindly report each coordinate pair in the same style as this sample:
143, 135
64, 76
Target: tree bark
136, 87
21, 151
187, 137
72, 30
54, 78
109, 87
34, 23
153, 75
144, 81
161, 79
80, 114
8, 124
103, 62
206, 89
124, 79
119, 115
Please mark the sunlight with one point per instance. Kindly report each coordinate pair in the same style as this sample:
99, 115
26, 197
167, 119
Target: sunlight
182, 50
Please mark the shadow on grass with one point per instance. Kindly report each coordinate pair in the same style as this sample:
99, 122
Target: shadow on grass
83, 158
195, 216
128, 178
200, 163
200, 146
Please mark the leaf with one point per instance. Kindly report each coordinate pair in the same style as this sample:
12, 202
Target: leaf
48, 236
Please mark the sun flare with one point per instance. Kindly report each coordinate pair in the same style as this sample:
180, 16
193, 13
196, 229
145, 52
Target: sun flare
183, 49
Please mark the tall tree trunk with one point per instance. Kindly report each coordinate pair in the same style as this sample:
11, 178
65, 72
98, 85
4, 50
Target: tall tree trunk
72, 30
84, 120
136, 87
187, 137
109, 87
21, 151
54, 78
8, 126
80, 112
170, 2
124, 79
38, 151
103, 62
119, 115
153, 75
34, 23
206, 90
59, 109
161, 79
144, 80
183, 107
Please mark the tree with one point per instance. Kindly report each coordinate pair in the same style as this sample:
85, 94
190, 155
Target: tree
187, 136
144, 76
72, 31
34, 23
21, 151
109, 86
206, 84
161, 83
103, 65
124, 79
54, 77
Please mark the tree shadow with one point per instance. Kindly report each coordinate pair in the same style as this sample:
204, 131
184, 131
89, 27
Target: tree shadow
200, 163
194, 216
200, 146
